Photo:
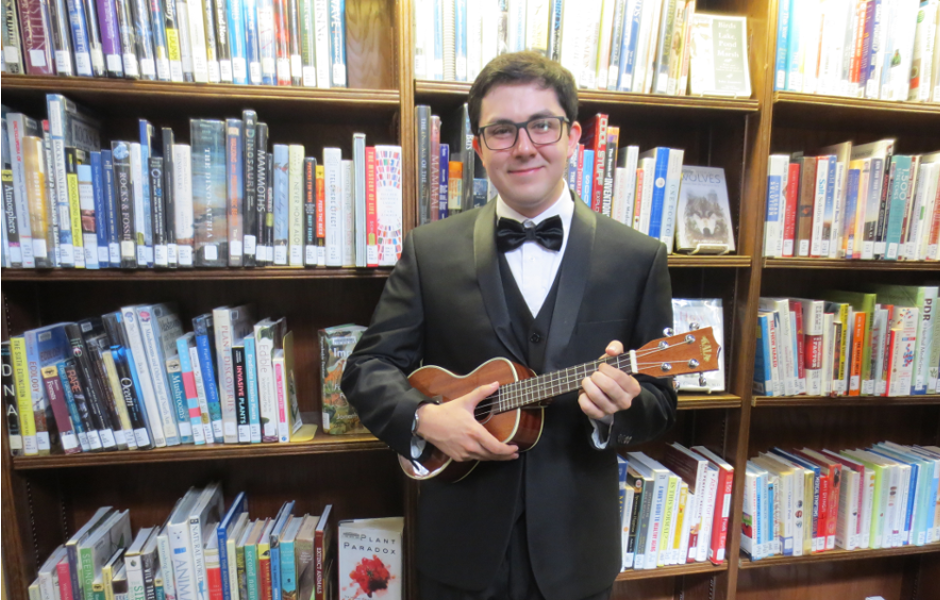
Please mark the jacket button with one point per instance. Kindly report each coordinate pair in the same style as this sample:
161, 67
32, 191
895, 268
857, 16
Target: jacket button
535, 338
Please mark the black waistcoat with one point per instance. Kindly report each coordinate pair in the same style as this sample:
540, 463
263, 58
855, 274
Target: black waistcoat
530, 332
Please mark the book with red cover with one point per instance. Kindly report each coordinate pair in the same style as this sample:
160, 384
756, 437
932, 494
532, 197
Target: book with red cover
834, 470
323, 555
716, 554
372, 224
796, 307
790, 212
805, 204
595, 138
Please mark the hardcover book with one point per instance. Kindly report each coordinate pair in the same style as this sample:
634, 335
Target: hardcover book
370, 564
704, 218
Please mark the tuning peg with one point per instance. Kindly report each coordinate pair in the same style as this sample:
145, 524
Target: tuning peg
665, 367
693, 326
701, 379
669, 331
689, 339
675, 384
693, 363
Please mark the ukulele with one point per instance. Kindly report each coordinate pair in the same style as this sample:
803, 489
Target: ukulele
514, 413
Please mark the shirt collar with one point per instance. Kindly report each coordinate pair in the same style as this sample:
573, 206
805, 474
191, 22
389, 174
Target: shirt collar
563, 207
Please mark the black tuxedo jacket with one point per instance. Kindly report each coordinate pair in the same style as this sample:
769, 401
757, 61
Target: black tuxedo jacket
444, 304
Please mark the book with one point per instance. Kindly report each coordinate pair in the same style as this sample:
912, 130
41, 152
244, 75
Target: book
703, 223
339, 417
369, 556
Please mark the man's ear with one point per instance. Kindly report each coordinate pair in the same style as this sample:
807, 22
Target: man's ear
478, 149
574, 137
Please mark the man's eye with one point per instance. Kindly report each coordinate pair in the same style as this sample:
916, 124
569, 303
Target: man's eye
501, 130
541, 126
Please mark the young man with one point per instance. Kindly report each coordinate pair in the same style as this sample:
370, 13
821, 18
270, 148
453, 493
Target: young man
538, 278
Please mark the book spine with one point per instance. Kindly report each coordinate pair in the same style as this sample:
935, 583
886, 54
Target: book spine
294, 42
310, 212
183, 203
372, 249
224, 31
332, 164
250, 209
251, 381
266, 48
295, 206
169, 199
101, 210
174, 56
338, 43
55, 394
321, 216
158, 211
252, 49
235, 189
241, 395
262, 183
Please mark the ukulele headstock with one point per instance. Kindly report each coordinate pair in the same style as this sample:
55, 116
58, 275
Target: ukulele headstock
692, 352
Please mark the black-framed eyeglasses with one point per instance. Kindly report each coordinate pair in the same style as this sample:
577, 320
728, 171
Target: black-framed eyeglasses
542, 132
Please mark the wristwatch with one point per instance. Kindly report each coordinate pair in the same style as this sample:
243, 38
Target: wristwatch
414, 423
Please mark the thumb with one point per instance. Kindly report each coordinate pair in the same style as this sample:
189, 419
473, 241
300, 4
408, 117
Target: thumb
478, 394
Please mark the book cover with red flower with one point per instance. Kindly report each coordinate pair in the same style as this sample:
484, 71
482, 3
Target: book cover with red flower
370, 558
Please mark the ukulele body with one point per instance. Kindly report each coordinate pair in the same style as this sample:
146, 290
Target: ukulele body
521, 427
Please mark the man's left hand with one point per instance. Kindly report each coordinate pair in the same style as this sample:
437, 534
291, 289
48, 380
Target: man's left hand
608, 390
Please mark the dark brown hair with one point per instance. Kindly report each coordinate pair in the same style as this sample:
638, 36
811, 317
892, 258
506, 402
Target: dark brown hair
522, 68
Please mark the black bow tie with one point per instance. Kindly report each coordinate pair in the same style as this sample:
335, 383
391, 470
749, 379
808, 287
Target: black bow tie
511, 234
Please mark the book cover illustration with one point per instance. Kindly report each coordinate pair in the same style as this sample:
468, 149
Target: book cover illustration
370, 558
704, 222
336, 344
209, 193
718, 54
388, 203
691, 314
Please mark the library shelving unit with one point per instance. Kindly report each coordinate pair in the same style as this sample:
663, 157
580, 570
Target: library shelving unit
44, 499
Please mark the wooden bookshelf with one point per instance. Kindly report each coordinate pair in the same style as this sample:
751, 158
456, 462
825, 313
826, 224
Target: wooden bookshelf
705, 568
322, 443
810, 401
850, 265
44, 499
837, 555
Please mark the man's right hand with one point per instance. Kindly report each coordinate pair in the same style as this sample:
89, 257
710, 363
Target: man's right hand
453, 429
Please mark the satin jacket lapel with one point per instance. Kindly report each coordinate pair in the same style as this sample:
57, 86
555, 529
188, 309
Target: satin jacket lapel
575, 267
491, 284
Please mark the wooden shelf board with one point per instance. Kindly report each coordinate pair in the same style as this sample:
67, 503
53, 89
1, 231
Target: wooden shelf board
452, 90
846, 103
836, 555
689, 401
705, 568
780, 401
839, 263
321, 444
224, 274
808, 111
124, 96
704, 260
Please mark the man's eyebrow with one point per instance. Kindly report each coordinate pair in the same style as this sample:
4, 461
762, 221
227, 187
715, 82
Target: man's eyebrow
541, 113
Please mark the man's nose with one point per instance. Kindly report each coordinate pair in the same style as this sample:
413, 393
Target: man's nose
524, 144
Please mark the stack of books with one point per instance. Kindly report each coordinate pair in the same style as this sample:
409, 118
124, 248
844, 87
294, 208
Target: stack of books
877, 49
223, 200
884, 343
133, 379
201, 552
801, 502
676, 511
652, 46
257, 42
854, 202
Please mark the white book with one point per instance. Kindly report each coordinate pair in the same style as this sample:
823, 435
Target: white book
474, 40
775, 205
785, 338
571, 27
183, 203
648, 467
828, 352
751, 516
156, 363
625, 185
49, 577
423, 20
135, 339
267, 396
647, 168
810, 30
197, 40
181, 546
203, 517
896, 72
348, 213
388, 200
708, 515
134, 564
489, 34
925, 192
230, 324
801, 524
295, 205
673, 182
332, 173
819, 206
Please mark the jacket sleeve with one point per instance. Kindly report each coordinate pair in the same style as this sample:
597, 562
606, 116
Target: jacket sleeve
375, 378
654, 410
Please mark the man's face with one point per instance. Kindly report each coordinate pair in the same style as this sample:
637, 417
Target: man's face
529, 178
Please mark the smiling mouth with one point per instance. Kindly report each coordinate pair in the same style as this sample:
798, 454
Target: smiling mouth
524, 171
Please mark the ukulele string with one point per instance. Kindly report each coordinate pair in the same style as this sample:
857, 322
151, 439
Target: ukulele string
514, 391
